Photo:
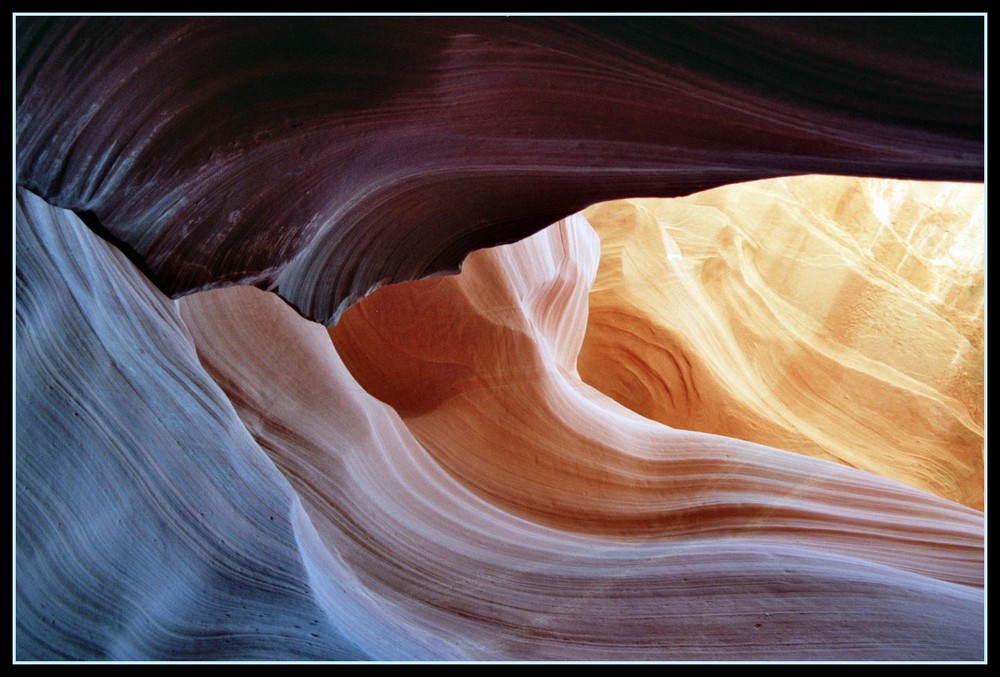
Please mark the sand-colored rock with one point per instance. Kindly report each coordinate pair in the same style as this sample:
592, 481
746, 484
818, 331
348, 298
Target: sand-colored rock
482, 367
691, 523
157, 524
832, 316
208, 479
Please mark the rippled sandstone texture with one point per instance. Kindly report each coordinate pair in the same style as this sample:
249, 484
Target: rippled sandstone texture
202, 540
684, 516
206, 479
149, 523
292, 515
832, 316
321, 158
482, 369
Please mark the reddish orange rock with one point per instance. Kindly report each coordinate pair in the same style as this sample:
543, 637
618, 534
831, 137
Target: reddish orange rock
508, 416
837, 317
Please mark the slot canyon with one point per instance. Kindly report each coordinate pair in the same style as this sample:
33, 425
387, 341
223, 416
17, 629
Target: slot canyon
499, 339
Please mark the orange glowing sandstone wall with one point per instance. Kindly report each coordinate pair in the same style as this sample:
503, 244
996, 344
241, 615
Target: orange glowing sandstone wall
837, 317
772, 324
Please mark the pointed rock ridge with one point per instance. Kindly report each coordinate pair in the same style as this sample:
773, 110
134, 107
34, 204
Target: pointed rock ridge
832, 316
771, 538
322, 157
506, 414
374, 549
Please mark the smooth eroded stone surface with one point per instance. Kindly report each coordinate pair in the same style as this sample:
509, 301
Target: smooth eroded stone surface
145, 523
322, 157
833, 316
775, 541
482, 368
149, 524
220, 478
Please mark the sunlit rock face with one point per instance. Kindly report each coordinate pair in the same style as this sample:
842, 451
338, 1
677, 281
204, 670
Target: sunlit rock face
837, 317
482, 368
517, 428
327, 525
437, 477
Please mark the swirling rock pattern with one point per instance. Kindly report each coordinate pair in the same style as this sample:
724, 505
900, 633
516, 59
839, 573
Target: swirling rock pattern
322, 158
194, 545
149, 524
832, 316
523, 434
219, 477
501, 407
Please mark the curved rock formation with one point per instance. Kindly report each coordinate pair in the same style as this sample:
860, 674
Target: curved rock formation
832, 316
196, 546
321, 158
482, 368
210, 478
148, 522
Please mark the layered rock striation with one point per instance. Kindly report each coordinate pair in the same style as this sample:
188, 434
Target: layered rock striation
837, 317
579, 448
293, 515
323, 157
